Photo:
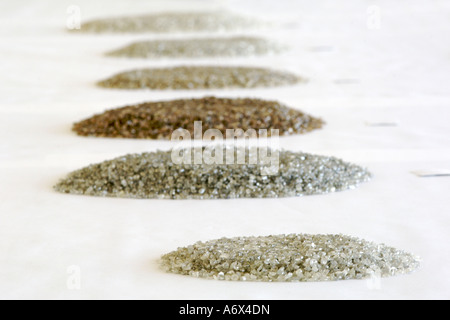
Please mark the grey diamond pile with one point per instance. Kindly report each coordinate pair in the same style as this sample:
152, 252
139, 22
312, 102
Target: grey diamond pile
294, 257
171, 22
155, 175
198, 48
199, 77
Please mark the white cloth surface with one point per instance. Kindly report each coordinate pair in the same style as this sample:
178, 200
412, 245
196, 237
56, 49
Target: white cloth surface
397, 71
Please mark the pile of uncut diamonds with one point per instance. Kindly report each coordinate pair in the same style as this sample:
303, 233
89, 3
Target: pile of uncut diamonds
269, 174
158, 120
294, 257
197, 48
170, 22
199, 77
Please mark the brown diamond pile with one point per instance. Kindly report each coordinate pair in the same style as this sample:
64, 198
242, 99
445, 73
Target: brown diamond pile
158, 120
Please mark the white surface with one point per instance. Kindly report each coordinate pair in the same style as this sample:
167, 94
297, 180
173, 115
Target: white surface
399, 73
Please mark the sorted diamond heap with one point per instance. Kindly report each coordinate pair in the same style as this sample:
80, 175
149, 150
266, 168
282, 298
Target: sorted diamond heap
293, 257
278, 173
198, 48
171, 22
158, 120
199, 77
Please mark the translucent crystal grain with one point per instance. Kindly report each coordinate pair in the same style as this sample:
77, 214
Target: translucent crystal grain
238, 259
155, 175
158, 120
199, 77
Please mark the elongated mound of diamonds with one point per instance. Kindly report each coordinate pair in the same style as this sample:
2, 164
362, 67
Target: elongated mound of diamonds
170, 22
199, 77
156, 175
293, 257
198, 48
158, 120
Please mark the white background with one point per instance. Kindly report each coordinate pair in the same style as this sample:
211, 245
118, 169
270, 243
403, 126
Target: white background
357, 73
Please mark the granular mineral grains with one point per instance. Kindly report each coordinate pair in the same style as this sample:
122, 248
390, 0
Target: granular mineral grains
158, 120
199, 77
198, 48
294, 257
158, 175
171, 22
